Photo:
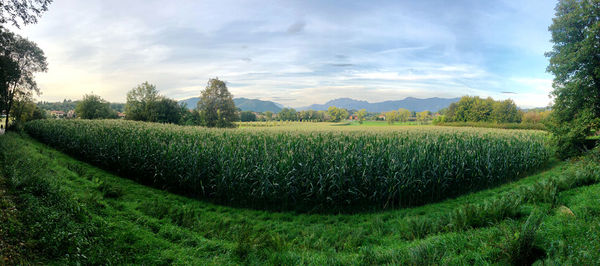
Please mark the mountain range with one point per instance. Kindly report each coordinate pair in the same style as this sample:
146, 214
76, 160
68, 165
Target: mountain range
410, 103
244, 104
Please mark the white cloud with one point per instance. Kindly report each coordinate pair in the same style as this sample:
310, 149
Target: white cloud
300, 52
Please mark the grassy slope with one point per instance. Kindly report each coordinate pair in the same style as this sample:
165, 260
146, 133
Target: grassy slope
150, 226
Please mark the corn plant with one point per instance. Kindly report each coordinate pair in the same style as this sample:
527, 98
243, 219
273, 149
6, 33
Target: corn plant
302, 168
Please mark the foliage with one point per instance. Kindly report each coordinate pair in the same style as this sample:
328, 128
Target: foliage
287, 114
531, 126
570, 137
165, 110
423, 116
505, 112
145, 104
575, 64
268, 115
29, 58
140, 100
94, 107
475, 109
312, 116
391, 117
302, 169
247, 116
22, 12
26, 111
216, 105
403, 115
536, 116
360, 115
65, 105
337, 114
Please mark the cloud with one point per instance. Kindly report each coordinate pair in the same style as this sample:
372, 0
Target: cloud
373, 51
342, 65
297, 27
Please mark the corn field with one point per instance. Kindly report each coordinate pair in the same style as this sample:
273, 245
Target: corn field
302, 169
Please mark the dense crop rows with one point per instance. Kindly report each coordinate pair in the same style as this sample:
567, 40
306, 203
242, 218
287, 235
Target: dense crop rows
302, 169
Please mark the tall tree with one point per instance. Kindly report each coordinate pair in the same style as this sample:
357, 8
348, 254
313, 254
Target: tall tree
391, 117
403, 115
269, 115
360, 115
505, 112
288, 114
575, 64
94, 107
216, 105
140, 101
337, 114
29, 58
424, 116
165, 110
22, 12
145, 104
247, 116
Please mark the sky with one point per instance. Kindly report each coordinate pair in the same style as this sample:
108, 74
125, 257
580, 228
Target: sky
298, 53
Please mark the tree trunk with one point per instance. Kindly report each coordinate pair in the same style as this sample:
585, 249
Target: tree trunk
9, 102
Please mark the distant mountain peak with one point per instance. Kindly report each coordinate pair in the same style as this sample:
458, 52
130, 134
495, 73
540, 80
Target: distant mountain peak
245, 104
411, 103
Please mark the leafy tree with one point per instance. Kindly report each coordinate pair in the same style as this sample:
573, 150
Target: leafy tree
26, 110
403, 115
535, 116
165, 110
65, 105
216, 105
423, 116
288, 114
247, 116
140, 101
475, 109
22, 12
145, 104
337, 114
575, 64
269, 115
360, 115
29, 58
391, 117
94, 107
191, 118
505, 112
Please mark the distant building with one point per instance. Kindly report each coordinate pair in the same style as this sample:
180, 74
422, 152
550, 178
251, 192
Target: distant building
121, 115
57, 114
71, 114
353, 117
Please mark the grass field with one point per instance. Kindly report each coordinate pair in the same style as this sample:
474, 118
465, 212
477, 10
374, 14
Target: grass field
74, 212
296, 167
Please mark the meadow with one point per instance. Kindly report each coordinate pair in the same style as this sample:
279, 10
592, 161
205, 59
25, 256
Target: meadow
305, 168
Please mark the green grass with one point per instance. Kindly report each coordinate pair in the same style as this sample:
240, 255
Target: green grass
135, 224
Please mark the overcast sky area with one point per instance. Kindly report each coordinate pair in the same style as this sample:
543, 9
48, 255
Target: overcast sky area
298, 52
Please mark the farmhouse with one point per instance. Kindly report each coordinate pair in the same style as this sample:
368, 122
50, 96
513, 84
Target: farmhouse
57, 114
